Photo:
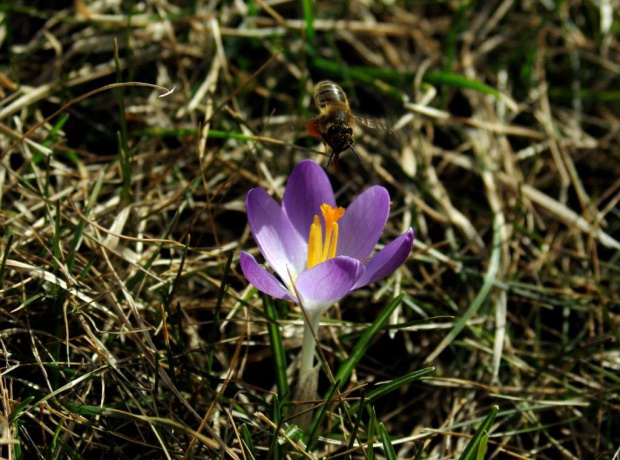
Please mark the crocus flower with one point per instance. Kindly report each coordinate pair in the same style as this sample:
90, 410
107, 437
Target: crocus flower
319, 252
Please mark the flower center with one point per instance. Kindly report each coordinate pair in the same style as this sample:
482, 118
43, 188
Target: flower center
322, 247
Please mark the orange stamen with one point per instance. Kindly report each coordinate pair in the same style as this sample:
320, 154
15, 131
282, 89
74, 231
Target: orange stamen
323, 247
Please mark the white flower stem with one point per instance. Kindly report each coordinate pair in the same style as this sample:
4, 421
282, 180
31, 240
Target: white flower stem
309, 344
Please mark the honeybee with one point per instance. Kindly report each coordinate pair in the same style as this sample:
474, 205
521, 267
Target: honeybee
335, 121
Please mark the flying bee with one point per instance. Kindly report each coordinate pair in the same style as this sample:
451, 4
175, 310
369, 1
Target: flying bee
335, 121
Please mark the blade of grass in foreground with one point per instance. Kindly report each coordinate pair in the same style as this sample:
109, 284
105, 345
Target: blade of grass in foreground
478, 445
248, 444
364, 343
277, 348
372, 425
358, 419
383, 390
317, 421
276, 415
387, 443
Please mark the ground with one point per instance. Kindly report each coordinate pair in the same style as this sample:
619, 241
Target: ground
130, 134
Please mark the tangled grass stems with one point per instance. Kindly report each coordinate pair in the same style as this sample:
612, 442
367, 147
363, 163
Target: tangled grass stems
126, 326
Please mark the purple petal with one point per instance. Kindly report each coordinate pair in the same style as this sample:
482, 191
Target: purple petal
328, 282
307, 189
387, 260
261, 279
363, 222
280, 244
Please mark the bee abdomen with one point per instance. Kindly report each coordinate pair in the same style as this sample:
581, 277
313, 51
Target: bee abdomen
327, 92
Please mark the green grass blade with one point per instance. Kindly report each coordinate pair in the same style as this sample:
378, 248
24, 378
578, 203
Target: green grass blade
399, 79
84, 409
386, 389
370, 439
247, 443
54, 448
174, 319
482, 449
77, 235
56, 236
387, 443
277, 347
214, 333
358, 419
459, 81
19, 408
489, 280
478, 443
222, 290
308, 6
321, 415
51, 136
452, 37
28, 301
275, 450
167, 301
364, 343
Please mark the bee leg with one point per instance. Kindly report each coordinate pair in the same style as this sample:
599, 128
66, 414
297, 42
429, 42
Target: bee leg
334, 157
358, 157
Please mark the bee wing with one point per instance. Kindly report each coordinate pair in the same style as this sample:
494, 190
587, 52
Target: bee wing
372, 123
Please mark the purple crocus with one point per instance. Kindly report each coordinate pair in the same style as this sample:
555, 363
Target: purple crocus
319, 252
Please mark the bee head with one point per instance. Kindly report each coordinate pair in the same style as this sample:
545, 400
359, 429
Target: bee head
339, 137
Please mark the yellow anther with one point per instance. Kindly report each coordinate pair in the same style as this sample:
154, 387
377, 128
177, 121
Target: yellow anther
315, 243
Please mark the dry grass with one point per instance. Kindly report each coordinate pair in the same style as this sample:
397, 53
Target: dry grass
126, 326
